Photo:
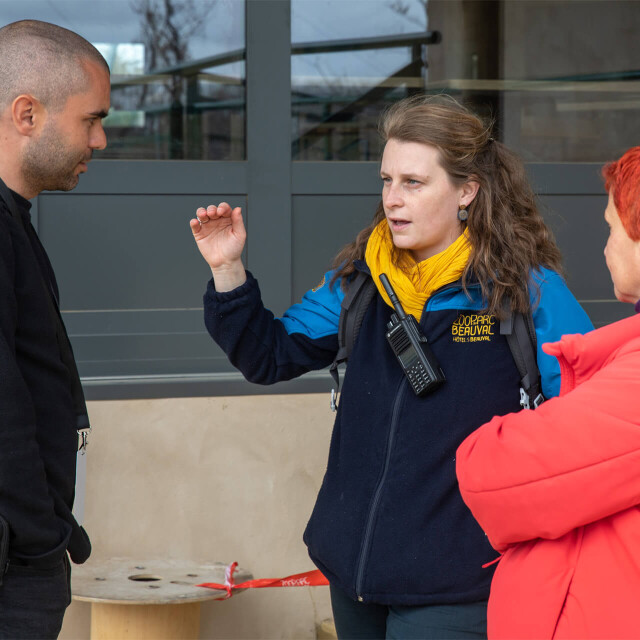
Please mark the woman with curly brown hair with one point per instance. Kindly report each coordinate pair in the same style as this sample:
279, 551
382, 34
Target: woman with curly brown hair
459, 237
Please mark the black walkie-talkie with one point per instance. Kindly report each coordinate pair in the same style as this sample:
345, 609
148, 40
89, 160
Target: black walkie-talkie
411, 347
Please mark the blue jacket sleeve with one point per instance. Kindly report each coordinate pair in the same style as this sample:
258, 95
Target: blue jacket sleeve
556, 312
268, 349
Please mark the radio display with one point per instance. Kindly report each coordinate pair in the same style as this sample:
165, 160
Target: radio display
408, 356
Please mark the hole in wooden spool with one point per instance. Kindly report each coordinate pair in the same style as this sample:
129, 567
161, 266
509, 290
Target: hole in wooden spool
145, 577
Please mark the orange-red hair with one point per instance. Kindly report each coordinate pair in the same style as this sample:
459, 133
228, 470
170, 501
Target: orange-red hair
622, 179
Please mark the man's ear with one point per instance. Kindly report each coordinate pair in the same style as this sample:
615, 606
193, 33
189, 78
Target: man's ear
27, 114
469, 192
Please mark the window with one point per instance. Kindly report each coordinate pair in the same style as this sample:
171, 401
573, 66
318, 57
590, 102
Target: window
349, 59
559, 78
178, 79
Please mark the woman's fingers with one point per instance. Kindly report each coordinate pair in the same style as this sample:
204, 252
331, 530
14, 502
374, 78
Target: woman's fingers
237, 223
212, 212
216, 222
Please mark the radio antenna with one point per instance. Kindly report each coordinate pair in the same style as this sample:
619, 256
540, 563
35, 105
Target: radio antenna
392, 296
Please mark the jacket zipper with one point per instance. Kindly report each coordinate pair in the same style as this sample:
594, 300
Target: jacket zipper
378, 492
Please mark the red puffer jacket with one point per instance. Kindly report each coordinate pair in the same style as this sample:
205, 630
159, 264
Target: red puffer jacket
557, 490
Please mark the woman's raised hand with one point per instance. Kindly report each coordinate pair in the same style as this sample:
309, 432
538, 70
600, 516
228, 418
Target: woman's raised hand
220, 235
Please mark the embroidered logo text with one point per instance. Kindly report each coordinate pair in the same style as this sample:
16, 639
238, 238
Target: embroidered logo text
473, 328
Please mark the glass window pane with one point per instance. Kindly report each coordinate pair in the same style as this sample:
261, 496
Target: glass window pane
178, 79
349, 58
581, 64
560, 78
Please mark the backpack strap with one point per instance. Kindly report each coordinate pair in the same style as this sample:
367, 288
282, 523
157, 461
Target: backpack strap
359, 294
519, 330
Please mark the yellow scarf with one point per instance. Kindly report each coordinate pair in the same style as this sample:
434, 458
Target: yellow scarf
414, 281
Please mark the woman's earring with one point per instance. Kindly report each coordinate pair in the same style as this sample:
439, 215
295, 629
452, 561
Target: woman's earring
463, 214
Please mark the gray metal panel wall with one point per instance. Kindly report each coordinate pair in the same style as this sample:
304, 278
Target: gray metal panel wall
322, 225
269, 146
132, 280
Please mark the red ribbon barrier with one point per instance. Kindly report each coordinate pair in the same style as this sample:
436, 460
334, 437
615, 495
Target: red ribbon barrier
307, 579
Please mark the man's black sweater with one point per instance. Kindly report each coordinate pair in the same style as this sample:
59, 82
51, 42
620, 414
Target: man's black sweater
38, 439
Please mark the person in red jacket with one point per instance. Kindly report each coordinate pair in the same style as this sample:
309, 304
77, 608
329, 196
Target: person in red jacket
557, 490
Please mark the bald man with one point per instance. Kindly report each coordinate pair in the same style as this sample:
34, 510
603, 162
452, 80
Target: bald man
54, 93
